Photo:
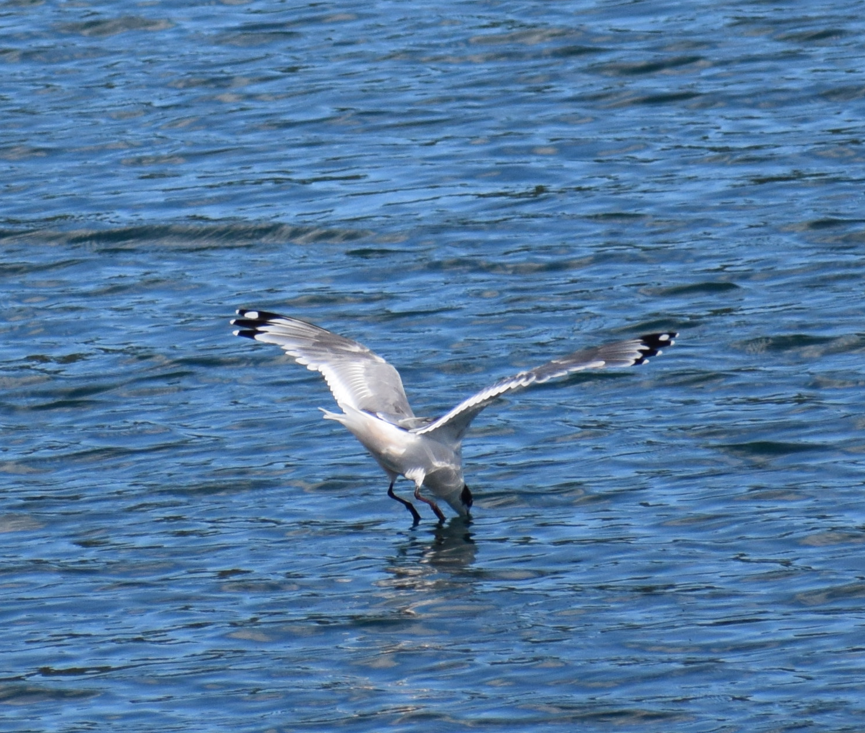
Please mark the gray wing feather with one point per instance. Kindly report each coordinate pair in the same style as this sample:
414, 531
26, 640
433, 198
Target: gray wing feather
620, 354
357, 377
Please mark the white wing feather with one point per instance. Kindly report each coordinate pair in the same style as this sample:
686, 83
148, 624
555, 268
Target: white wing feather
360, 379
357, 377
453, 424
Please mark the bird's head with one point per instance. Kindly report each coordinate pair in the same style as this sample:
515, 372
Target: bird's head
466, 498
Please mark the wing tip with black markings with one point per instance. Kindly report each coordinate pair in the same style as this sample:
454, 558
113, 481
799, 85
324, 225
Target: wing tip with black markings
651, 344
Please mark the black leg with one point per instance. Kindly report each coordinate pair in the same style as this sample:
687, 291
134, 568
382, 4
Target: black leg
407, 504
435, 507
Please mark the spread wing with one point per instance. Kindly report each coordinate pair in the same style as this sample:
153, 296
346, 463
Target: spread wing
356, 376
454, 424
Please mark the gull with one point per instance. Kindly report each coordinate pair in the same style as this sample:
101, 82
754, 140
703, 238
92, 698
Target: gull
375, 409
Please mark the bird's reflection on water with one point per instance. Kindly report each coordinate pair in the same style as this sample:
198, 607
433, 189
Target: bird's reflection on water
448, 548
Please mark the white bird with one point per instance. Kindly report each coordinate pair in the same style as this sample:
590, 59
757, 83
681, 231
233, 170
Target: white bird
375, 408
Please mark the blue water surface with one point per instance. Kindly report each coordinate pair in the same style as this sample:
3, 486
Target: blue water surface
469, 189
